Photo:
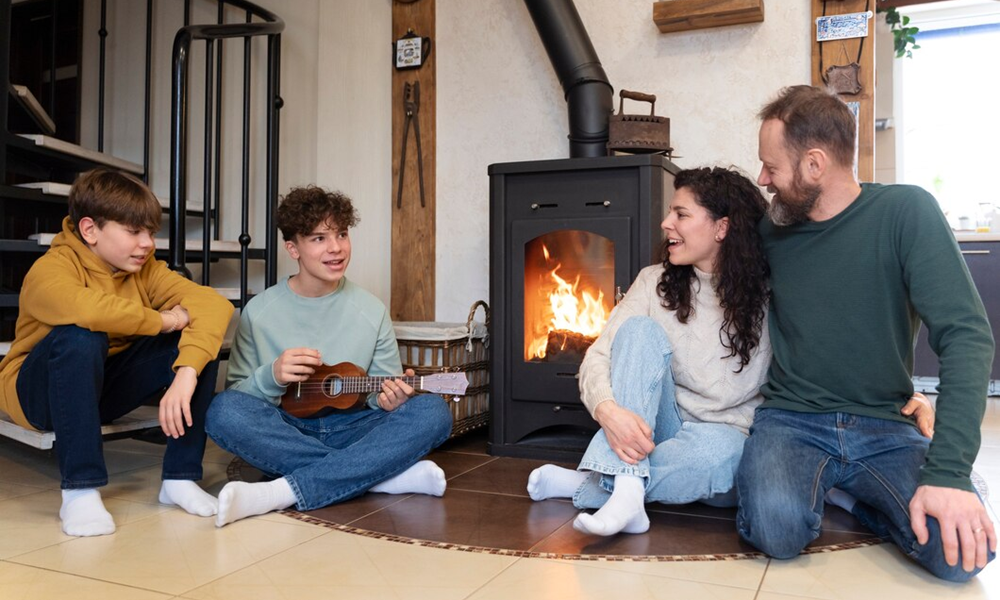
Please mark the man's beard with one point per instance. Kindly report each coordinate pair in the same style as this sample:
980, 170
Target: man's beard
793, 206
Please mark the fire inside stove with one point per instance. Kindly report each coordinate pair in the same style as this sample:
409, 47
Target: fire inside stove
568, 294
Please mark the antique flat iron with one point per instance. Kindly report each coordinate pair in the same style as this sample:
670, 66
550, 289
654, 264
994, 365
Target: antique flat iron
638, 134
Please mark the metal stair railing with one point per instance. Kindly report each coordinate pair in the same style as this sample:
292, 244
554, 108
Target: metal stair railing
271, 27
259, 22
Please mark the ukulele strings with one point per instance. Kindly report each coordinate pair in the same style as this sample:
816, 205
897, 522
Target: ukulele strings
358, 384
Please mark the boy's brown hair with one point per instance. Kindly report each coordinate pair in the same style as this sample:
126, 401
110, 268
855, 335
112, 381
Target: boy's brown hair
303, 208
108, 195
814, 118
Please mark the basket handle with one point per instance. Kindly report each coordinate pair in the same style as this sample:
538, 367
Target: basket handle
472, 315
651, 98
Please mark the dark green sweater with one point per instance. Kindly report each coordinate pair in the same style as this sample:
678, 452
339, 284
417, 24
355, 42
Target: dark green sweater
849, 294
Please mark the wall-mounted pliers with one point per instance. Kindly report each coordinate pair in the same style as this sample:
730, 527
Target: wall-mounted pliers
411, 106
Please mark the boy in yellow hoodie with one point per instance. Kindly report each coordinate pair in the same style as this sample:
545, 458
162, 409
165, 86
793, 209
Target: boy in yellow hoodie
103, 328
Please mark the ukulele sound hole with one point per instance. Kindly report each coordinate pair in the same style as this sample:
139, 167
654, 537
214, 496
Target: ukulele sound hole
333, 386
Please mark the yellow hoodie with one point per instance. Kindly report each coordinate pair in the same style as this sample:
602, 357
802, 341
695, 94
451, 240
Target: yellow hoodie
71, 285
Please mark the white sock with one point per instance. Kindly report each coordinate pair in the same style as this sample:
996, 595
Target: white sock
624, 511
551, 481
83, 514
425, 477
239, 500
189, 496
840, 498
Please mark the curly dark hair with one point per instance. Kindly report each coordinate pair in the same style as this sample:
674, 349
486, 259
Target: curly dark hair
303, 208
740, 278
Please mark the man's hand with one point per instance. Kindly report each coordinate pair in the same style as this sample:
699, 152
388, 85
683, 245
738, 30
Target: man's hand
628, 435
395, 392
964, 524
919, 407
295, 364
175, 406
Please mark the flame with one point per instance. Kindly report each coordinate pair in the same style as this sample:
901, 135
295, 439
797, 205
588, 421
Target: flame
569, 308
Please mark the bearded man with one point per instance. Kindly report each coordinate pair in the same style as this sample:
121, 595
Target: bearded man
855, 268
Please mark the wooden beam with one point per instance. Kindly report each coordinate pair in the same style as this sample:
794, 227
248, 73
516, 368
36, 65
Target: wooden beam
684, 15
842, 52
413, 227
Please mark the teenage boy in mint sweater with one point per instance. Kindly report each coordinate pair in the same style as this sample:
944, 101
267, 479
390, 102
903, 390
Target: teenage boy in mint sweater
315, 317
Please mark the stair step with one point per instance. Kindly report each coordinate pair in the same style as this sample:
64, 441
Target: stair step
78, 151
141, 418
30, 104
45, 239
227, 342
231, 293
62, 189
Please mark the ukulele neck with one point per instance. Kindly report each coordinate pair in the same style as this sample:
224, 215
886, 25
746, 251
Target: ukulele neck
364, 385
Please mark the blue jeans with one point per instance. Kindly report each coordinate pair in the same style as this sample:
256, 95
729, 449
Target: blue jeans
692, 461
792, 459
68, 385
333, 458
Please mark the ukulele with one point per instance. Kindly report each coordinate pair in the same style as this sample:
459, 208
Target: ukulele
345, 387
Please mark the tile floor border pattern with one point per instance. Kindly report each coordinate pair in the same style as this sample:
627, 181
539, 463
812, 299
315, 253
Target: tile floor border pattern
294, 514
234, 472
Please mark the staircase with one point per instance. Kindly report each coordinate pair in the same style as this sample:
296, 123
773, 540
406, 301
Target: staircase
39, 159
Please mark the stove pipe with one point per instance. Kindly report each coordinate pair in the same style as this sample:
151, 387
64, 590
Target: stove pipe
589, 95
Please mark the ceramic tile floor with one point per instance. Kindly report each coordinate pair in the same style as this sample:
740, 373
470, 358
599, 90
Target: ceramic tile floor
161, 552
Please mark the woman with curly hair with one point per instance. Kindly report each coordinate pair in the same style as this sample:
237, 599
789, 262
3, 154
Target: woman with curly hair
673, 379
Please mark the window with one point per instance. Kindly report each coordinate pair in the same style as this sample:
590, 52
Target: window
948, 111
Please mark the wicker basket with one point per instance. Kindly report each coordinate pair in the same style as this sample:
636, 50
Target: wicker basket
428, 348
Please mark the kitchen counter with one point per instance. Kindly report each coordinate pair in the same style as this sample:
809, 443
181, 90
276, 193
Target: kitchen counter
982, 255
972, 236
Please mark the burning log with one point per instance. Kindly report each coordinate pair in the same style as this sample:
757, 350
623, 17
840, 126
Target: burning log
567, 346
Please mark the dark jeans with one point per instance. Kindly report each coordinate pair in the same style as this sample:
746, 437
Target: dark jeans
792, 459
68, 385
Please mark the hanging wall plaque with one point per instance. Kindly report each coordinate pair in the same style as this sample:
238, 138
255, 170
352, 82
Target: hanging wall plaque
411, 51
842, 27
844, 79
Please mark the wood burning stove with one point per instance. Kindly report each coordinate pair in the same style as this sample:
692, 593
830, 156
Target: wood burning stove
566, 237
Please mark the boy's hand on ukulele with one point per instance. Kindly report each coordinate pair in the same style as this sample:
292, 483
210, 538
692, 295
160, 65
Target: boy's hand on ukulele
175, 406
295, 364
395, 392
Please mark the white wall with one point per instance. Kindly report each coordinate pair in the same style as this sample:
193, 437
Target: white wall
354, 127
499, 100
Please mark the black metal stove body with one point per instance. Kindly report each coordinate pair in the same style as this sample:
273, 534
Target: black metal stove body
605, 213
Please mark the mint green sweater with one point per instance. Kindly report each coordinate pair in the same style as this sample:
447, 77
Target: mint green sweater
348, 325
848, 296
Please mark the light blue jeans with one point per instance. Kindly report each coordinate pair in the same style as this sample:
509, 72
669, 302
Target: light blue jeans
333, 458
692, 461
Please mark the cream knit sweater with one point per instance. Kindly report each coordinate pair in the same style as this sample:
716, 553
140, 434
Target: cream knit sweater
708, 387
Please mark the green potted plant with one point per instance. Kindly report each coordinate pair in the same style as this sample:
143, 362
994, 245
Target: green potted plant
903, 36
